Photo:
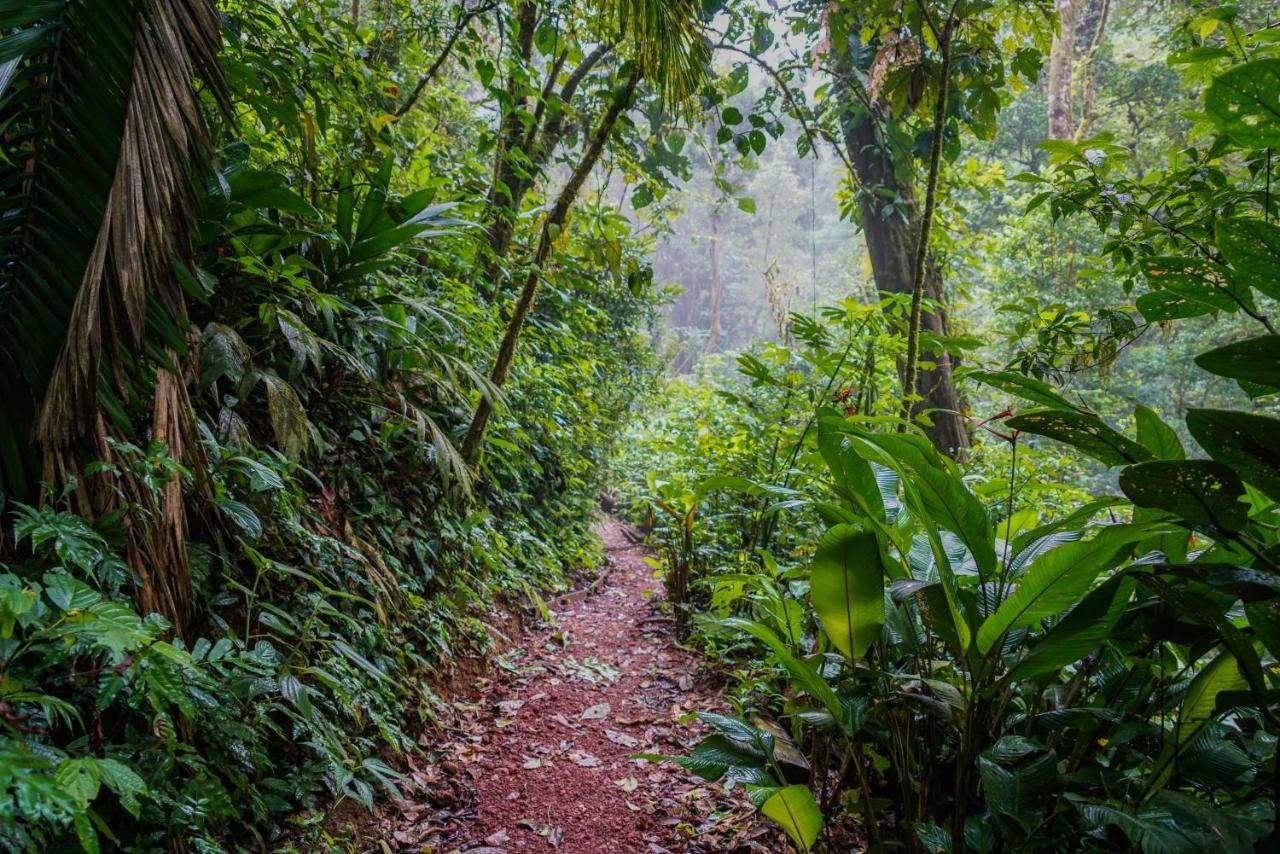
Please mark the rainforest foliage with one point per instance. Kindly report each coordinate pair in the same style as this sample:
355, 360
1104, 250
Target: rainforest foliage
931, 343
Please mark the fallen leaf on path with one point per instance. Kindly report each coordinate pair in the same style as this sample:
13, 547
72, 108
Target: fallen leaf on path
621, 738
555, 837
507, 708
598, 712
586, 760
530, 764
627, 784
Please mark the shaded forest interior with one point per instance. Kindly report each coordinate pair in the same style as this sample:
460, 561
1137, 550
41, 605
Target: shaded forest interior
922, 353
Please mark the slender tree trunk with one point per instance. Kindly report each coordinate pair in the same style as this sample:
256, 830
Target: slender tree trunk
717, 285
1094, 23
1062, 70
551, 227
535, 147
892, 237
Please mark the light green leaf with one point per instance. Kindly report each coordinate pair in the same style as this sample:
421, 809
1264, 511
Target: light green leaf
847, 589
1057, 580
797, 812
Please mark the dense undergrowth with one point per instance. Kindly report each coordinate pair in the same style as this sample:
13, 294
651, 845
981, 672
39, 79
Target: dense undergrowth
1065, 638
322, 324
341, 554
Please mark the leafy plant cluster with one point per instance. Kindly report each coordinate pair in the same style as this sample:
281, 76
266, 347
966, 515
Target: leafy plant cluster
334, 342
964, 655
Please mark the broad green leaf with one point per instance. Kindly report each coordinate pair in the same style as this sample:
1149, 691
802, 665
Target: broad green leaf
1200, 492
1199, 706
1057, 580
1019, 778
1249, 444
1082, 630
1157, 436
1024, 387
797, 812
1244, 102
80, 779
1264, 619
242, 515
942, 495
125, 782
1195, 279
288, 416
847, 589
1201, 700
1159, 306
1253, 248
69, 593
1083, 431
804, 676
1254, 360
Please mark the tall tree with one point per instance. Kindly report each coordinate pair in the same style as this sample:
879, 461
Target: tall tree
664, 44
1062, 60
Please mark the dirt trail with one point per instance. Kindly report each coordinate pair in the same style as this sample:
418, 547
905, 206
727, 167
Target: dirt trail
540, 761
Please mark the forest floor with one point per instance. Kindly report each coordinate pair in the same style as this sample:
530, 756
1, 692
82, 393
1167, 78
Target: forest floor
538, 758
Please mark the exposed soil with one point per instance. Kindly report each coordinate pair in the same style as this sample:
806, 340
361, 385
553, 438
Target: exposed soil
539, 758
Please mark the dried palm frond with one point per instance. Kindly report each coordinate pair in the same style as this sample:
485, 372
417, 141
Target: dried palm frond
101, 131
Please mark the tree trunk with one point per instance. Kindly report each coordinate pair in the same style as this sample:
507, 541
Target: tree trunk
1094, 23
1062, 70
535, 146
717, 285
551, 227
891, 243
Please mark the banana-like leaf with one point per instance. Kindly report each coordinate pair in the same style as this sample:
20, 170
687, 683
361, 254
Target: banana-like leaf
847, 589
797, 812
1082, 630
1058, 579
804, 676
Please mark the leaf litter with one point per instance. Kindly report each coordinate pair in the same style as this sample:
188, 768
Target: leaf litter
538, 755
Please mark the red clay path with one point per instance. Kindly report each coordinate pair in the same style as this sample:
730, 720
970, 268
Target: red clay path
540, 758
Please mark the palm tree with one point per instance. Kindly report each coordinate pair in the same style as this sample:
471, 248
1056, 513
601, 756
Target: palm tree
665, 45
103, 136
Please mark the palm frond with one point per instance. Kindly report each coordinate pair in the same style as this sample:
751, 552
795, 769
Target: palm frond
667, 42
102, 130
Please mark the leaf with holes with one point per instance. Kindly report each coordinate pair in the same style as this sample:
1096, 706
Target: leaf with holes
1085, 432
1250, 444
1244, 102
1200, 492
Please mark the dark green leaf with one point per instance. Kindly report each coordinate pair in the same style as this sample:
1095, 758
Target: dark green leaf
1083, 431
1249, 444
1198, 491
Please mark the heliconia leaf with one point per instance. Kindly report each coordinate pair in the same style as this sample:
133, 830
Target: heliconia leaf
847, 589
1082, 630
1085, 432
797, 812
1200, 703
1033, 390
1058, 578
804, 676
